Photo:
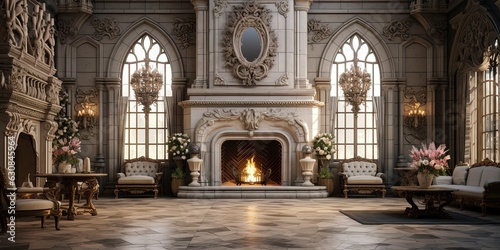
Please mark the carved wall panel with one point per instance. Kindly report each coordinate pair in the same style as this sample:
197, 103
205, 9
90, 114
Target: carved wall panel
244, 18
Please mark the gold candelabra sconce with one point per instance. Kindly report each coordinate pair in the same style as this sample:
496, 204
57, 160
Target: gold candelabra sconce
87, 111
414, 118
86, 116
416, 115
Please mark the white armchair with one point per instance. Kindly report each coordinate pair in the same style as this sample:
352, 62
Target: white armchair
30, 202
138, 176
361, 175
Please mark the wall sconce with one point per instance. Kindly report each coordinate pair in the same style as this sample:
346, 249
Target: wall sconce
86, 116
414, 120
416, 114
86, 108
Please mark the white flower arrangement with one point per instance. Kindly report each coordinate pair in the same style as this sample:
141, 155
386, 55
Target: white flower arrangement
178, 145
323, 145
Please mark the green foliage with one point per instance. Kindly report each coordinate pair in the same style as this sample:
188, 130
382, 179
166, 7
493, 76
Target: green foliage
325, 173
178, 173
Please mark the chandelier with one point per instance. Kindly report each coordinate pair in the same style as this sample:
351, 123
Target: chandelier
355, 84
146, 84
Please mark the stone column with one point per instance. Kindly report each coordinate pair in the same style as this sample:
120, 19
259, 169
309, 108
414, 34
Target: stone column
202, 17
323, 89
47, 135
430, 112
113, 86
99, 159
178, 95
301, 9
401, 162
390, 92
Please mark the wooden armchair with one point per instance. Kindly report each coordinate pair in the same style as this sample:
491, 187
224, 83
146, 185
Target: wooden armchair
29, 201
138, 176
361, 175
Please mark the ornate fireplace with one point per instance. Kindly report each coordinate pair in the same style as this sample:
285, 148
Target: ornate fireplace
245, 105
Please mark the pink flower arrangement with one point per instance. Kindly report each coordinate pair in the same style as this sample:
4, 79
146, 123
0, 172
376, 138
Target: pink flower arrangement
429, 159
64, 150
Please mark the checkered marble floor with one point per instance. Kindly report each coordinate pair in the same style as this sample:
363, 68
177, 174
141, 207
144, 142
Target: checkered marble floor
170, 223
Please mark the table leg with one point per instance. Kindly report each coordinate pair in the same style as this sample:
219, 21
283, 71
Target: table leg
412, 211
93, 187
72, 190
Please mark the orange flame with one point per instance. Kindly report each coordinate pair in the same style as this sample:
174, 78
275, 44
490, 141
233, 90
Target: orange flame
250, 171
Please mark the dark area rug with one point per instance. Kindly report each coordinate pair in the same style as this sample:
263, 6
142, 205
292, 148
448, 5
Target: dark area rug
378, 217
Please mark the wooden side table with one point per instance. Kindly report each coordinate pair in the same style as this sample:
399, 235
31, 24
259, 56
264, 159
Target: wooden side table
434, 200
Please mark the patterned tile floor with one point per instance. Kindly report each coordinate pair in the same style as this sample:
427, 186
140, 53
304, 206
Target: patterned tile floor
169, 223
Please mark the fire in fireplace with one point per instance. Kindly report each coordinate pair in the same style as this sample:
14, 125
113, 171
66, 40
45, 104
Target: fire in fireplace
251, 162
250, 173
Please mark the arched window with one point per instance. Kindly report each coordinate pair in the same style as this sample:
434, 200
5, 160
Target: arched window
482, 140
355, 137
146, 137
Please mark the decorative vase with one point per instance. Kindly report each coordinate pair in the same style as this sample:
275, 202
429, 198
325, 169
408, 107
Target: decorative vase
328, 183
424, 180
64, 168
174, 186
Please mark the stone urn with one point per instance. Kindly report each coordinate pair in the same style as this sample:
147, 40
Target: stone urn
307, 163
195, 164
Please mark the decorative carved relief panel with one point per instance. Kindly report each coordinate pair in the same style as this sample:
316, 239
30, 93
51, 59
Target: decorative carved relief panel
317, 31
249, 43
184, 30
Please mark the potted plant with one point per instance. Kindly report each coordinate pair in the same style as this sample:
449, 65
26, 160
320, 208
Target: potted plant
326, 179
178, 177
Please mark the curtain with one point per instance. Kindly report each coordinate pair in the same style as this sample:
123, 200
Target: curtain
379, 107
122, 115
168, 111
334, 101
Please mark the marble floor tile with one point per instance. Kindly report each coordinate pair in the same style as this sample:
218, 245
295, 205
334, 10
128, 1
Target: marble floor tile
170, 223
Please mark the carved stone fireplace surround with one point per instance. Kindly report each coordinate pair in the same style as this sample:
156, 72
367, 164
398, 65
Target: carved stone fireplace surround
289, 122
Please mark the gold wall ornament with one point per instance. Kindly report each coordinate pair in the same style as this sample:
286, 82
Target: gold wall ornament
146, 83
355, 84
86, 108
414, 115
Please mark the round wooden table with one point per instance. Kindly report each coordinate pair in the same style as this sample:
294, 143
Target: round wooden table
70, 182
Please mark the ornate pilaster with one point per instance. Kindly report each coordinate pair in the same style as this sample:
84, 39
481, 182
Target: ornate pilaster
176, 112
301, 9
113, 87
202, 20
99, 159
323, 89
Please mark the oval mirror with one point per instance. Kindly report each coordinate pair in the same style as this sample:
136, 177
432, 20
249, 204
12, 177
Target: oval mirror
251, 44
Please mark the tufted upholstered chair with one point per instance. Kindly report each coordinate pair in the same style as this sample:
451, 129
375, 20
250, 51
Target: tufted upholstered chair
29, 202
138, 176
361, 175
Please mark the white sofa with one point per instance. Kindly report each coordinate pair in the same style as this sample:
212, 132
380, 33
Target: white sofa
361, 175
138, 176
478, 184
